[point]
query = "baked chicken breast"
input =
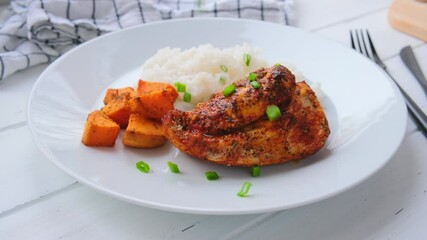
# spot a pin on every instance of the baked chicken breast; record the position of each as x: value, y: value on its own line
x: 236, y: 136
x: 223, y: 114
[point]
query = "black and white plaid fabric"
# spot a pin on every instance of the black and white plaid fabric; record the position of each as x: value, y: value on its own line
x: 38, y: 31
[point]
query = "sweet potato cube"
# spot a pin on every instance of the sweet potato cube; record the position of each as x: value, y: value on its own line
x: 143, y: 133
x: 145, y: 87
x: 152, y: 105
x: 115, y: 92
x: 100, y: 130
x: 118, y: 109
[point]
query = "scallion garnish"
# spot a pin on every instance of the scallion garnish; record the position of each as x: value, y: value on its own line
x: 255, y: 84
x: 256, y: 171
x: 222, y: 79
x: 273, y: 112
x: 252, y: 76
x: 211, y: 175
x: 277, y: 64
x: 173, y: 167
x: 223, y: 68
x: 180, y: 87
x: 229, y: 90
x: 187, y: 97
x: 247, y: 59
x: 143, y: 166
x: 245, y: 189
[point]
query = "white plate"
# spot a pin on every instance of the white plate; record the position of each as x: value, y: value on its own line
x: 366, y: 113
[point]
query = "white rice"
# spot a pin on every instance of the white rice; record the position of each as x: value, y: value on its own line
x: 199, y: 68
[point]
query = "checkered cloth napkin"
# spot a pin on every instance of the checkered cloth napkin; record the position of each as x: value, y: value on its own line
x: 39, y: 31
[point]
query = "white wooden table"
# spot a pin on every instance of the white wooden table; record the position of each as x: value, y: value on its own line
x: 38, y: 201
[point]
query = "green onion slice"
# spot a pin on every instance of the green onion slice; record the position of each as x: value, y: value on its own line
x: 173, y: 167
x: 211, y: 175
x: 273, y: 112
x: 256, y: 171
x: 255, y: 84
x: 252, y: 76
x: 229, y: 90
x: 245, y: 189
x: 277, y: 64
x: 180, y: 87
x: 187, y: 97
x: 223, y: 68
x: 143, y: 166
x: 247, y: 59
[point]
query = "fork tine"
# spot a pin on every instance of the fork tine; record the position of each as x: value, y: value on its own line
x: 364, y: 43
x: 374, y: 52
x: 371, y: 44
x: 352, y: 40
x: 358, y: 42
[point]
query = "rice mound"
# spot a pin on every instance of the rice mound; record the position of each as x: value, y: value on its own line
x: 200, y: 67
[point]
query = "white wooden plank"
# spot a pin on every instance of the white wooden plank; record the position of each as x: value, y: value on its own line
x: 387, y: 40
x: 313, y: 15
x: 14, y: 93
x: 371, y: 209
x: 81, y: 213
x: 25, y: 174
x: 389, y: 205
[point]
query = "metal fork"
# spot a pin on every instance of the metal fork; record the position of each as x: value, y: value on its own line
x: 361, y: 41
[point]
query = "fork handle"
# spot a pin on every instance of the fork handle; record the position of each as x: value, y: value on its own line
x: 418, y: 115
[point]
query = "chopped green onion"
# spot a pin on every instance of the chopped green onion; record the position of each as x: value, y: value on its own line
x: 173, y: 167
x: 255, y: 84
x: 256, y: 171
x: 229, y: 90
x: 223, y: 68
x: 252, y: 76
x: 245, y: 189
x: 210, y: 175
x: 222, y: 79
x: 277, y: 64
x: 180, y: 87
x: 273, y: 112
x: 187, y: 97
x: 143, y: 166
x: 247, y: 59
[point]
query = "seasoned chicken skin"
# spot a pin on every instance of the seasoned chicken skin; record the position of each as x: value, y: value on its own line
x: 301, y: 131
x: 223, y: 114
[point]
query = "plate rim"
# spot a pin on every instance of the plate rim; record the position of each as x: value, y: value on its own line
x: 189, y: 210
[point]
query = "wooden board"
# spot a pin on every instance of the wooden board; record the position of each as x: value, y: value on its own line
x: 409, y: 16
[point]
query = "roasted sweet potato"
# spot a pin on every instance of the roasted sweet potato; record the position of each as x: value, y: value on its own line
x: 115, y: 92
x: 100, y: 130
x: 138, y: 111
x: 118, y: 109
x: 143, y: 133
x: 152, y: 105
x: 145, y: 87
